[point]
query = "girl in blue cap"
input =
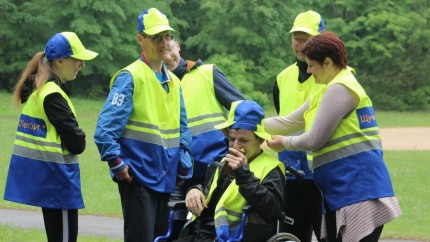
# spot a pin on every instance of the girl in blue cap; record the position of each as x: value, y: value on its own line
x: 44, y: 168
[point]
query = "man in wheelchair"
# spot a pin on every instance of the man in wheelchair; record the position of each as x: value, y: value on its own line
x: 246, y: 176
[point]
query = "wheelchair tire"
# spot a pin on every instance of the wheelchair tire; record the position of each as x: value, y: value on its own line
x: 283, y: 237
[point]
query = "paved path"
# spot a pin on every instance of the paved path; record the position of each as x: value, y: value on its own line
x: 88, y: 225
x: 408, y: 138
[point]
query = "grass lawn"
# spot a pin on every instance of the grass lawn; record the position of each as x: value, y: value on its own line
x: 408, y: 171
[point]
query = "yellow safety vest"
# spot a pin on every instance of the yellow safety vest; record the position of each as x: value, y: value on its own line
x: 150, y: 142
x: 228, y: 211
x: 42, y: 172
x: 350, y: 167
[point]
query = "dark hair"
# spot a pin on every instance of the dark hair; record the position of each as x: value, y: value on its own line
x: 326, y: 44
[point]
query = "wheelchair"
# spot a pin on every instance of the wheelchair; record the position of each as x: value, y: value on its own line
x: 179, y: 207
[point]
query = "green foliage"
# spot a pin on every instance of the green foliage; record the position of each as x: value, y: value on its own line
x: 385, y: 44
x: 408, y: 171
x: 249, y: 40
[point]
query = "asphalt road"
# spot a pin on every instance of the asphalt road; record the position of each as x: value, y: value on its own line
x: 88, y: 224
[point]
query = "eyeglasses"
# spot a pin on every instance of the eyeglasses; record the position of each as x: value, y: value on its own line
x: 158, y: 37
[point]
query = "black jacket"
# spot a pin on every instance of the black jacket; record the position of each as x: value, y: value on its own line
x: 60, y: 115
x: 265, y: 198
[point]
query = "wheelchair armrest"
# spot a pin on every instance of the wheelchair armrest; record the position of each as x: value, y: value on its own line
x: 247, y: 209
x: 177, y: 205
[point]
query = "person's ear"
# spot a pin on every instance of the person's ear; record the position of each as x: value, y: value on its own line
x: 59, y: 61
x: 327, y: 61
x: 260, y: 140
x: 178, y: 46
x: 139, y: 38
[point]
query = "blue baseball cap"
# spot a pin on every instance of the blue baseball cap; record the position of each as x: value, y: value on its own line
x: 67, y: 44
x: 248, y: 115
x: 152, y: 22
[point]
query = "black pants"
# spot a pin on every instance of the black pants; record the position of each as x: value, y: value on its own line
x: 303, y: 203
x: 145, y: 212
x: 331, y: 230
x: 61, y: 224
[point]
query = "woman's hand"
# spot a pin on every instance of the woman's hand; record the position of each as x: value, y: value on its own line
x: 276, y: 143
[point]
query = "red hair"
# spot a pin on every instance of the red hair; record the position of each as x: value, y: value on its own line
x: 326, y: 44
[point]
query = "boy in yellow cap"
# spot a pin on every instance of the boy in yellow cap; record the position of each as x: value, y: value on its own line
x: 291, y: 89
x: 257, y: 179
x: 44, y: 169
x: 142, y: 132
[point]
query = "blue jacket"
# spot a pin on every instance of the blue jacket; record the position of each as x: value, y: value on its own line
x: 106, y: 136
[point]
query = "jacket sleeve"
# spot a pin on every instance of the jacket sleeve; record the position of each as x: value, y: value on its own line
x: 114, y: 117
x: 225, y: 92
x: 62, y: 118
x: 266, y: 198
x: 185, y: 165
x: 275, y: 92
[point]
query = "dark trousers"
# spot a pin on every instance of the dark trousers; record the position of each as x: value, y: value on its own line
x: 145, y: 212
x: 303, y: 203
x: 61, y: 224
x: 331, y: 230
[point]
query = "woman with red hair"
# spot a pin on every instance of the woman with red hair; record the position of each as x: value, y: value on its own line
x: 343, y: 136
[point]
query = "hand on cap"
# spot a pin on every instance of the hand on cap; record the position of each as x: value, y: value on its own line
x: 276, y: 143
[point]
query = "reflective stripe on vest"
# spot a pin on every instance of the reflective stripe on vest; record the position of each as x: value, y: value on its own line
x: 42, y: 172
x: 203, y: 112
x: 203, y: 109
x: 350, y: 167
x: 36, y: 137
x: 150, y: 141
x: 228, y: 210
x: 292, y: 94
x: 352, y: 135
x: 153, y: 122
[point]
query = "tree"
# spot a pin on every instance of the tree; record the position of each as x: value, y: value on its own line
x: 246, y: 39
x: 387, y: 50
x: 387, y: 41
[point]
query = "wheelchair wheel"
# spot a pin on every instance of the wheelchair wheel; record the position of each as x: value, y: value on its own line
x: 283, y: 237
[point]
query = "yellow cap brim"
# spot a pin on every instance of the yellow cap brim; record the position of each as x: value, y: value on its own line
x: 158, y: 29
x: 263, y: 135
x: 224, y: 125
x: 305, y: 30
x: 85, y: 55
x: 259, y: 132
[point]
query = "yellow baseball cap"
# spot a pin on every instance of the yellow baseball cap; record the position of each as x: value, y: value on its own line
x: 248, y: 115
x: 309, y: 22
x: 152, y: 22
x: 67, y: 44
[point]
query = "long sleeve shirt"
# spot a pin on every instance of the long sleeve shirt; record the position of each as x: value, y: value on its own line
x: 113, y: 119
x: 60, y: 115
x: 337, y: 103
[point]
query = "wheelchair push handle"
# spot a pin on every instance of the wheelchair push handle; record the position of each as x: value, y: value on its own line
x: 298, y: 173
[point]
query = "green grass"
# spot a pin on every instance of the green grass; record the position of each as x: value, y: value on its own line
x: 408, y: 171
x: 11, y: 234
